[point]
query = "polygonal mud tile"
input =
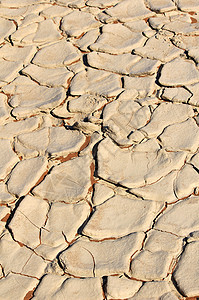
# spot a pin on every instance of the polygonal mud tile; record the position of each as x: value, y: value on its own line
x: 121, y: 64
x: 29, y: 217
x: 9, y: 71
x: 117, y: 39
x: 50, y: 77
x: 134, y: 169
x: 7, y: 27
x: 55, y: 11
x: 101, y: 193
x: 17, y: 285
x: 63, y: 142
x: 68, y: 182
x: 56, y: 225
x: 121, y: 287
x: 120, y: 216
x: 186, y: 181
x: 171, y: 70
x: 87, y: 39
x: 149, y: 266
x: 25, y: 175
x: 5, y: 197
x: 56, y: 141
x: 181, y: 136
x: 128, y: 10
x: 87, y: 103
x: 194, y: 88
x: 46, y: 32
x: 167, y: 114
x: 187, y: 5
x: 158, y: 290
x: 78, y: 22
x: 17, y: 258
x: 87, y: 258
x: 145, y: 86
x: 53, y: 287
x: 8, y: 158
x: 96, y: 82
x: 182, y: 27
x: 161, y: 5
x: 181, y: 218
x: 23, y: 54
x: 158, y: 48
x: 186, y: 271
x: 122, y: 118
x: 162, y: 190
x: 176, y: 94
x: 193, y: 52
x: 155, y: 260
x: 163, y: 241
x: 12, y: 129
x: 24, y: 35
x: 66, y: 53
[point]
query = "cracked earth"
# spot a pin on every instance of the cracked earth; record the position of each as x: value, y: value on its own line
x: 99, y: 143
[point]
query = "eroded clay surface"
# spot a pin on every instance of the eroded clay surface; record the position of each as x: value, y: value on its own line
x: 99, y: 144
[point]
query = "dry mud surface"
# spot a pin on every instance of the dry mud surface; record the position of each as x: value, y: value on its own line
x: 99, y: 143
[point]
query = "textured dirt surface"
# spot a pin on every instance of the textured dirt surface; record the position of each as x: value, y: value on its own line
x: 99, y: 144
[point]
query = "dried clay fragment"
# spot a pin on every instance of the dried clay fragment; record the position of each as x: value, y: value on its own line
x: 132, y: 215
x: 54, y: 286
x: 29, y: 217
x: 26, y: 174
x: 129, y: 10
x: 117, y: 39
x: 87, y: 258
x: 170, y: 73
x: 68, y: 182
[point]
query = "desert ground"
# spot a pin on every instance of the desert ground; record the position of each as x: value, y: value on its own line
x: 99, y: 144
